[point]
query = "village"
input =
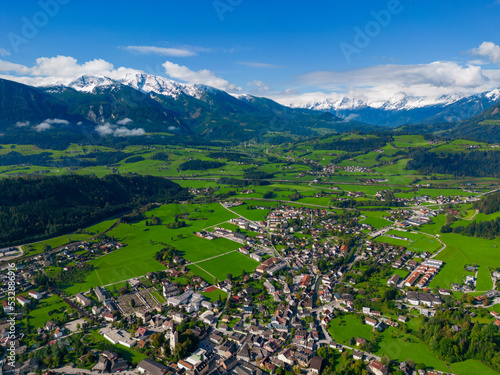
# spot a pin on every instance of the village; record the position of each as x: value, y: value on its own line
x: 277, y: 317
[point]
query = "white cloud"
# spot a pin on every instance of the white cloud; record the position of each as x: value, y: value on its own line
x: 204, y: 76
x: 437, y: 74
x: 148, y: 50
x: 22, y: 124
x: 260, y: 86
x: 124, y: 132
x: 57, y: 121
x: 382, y: 82
x: 125, y: 121
x: 42, y: 127
x: 4, y: 52
x: 488, y: 50
x: 109, y: 129
x: 47, y: 124
x: 65, y: 69
x: 60, y: 70
x: 259, y: 65
x: 105, y: 129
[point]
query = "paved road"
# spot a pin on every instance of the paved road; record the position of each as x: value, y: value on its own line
x: 10, y: 257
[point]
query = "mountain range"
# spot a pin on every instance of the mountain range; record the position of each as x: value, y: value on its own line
x: 403, y: 109
x: 141, y: 104
x: 148, y: 105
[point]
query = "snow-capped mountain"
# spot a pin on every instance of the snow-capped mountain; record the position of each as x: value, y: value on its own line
x: 397, y: 110
x: 399, y: 101
x: 88, y: 83
x: 145, y: 83
x: 402, y: 108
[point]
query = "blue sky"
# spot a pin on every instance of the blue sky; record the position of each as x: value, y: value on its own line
x: 280, y: 49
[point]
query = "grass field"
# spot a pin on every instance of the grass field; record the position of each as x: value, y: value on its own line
x: 375, y: 219
x: 472, y: 367
x: 416, y: 242
x: 214, y: 295
x: 462, y: 250
x: 254, y: 215
x: 396, y: 345
x: 101, y: 227
x: 137, y: 258
x: 40, y: 315
x: 233, y: 263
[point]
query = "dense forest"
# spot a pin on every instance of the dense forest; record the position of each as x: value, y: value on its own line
x: 230, y: 156
x: 36, y: 207
x: 251, y: 174
x: 483, y: 229
x: 355, y: 145
x: 474, y: 341
x: 489, y: 204
x: 14, y: 158
x: 200, y: 165
x: 163, y: 156
x: 462, y: 164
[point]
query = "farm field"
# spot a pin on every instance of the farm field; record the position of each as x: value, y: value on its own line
x: 233, y: 263
x: 463, y: 250
x: 137, y: 258
x: 255, y: 214
x: 416, y: 242
x: 394, y: 344
x: 472, y: 367
x: 375, y: 222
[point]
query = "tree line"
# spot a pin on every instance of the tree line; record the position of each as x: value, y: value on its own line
x: 200, y: 165
x: 355, y: 145
x: 460, y: 164
x: 484, y: 229
x: 489, y: 204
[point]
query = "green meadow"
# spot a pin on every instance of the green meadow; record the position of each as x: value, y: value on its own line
x: 392, y: 343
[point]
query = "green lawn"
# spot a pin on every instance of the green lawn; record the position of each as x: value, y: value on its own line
x: 462, y: 250
x: 40, y: 315
x: 101, y: 227
x: 472, y: 367
x: 137, y: 258
x: 401, y: 273
x: 233, y: 263
x: 254, y: 215
x: 214, y: 295
x: 416, y: 242
x: 396, y: 345
x: 374, y: 218
x: 129, y: 354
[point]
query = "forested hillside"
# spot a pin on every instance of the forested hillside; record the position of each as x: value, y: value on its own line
x: 458, y: 164
x: 35, y: 207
